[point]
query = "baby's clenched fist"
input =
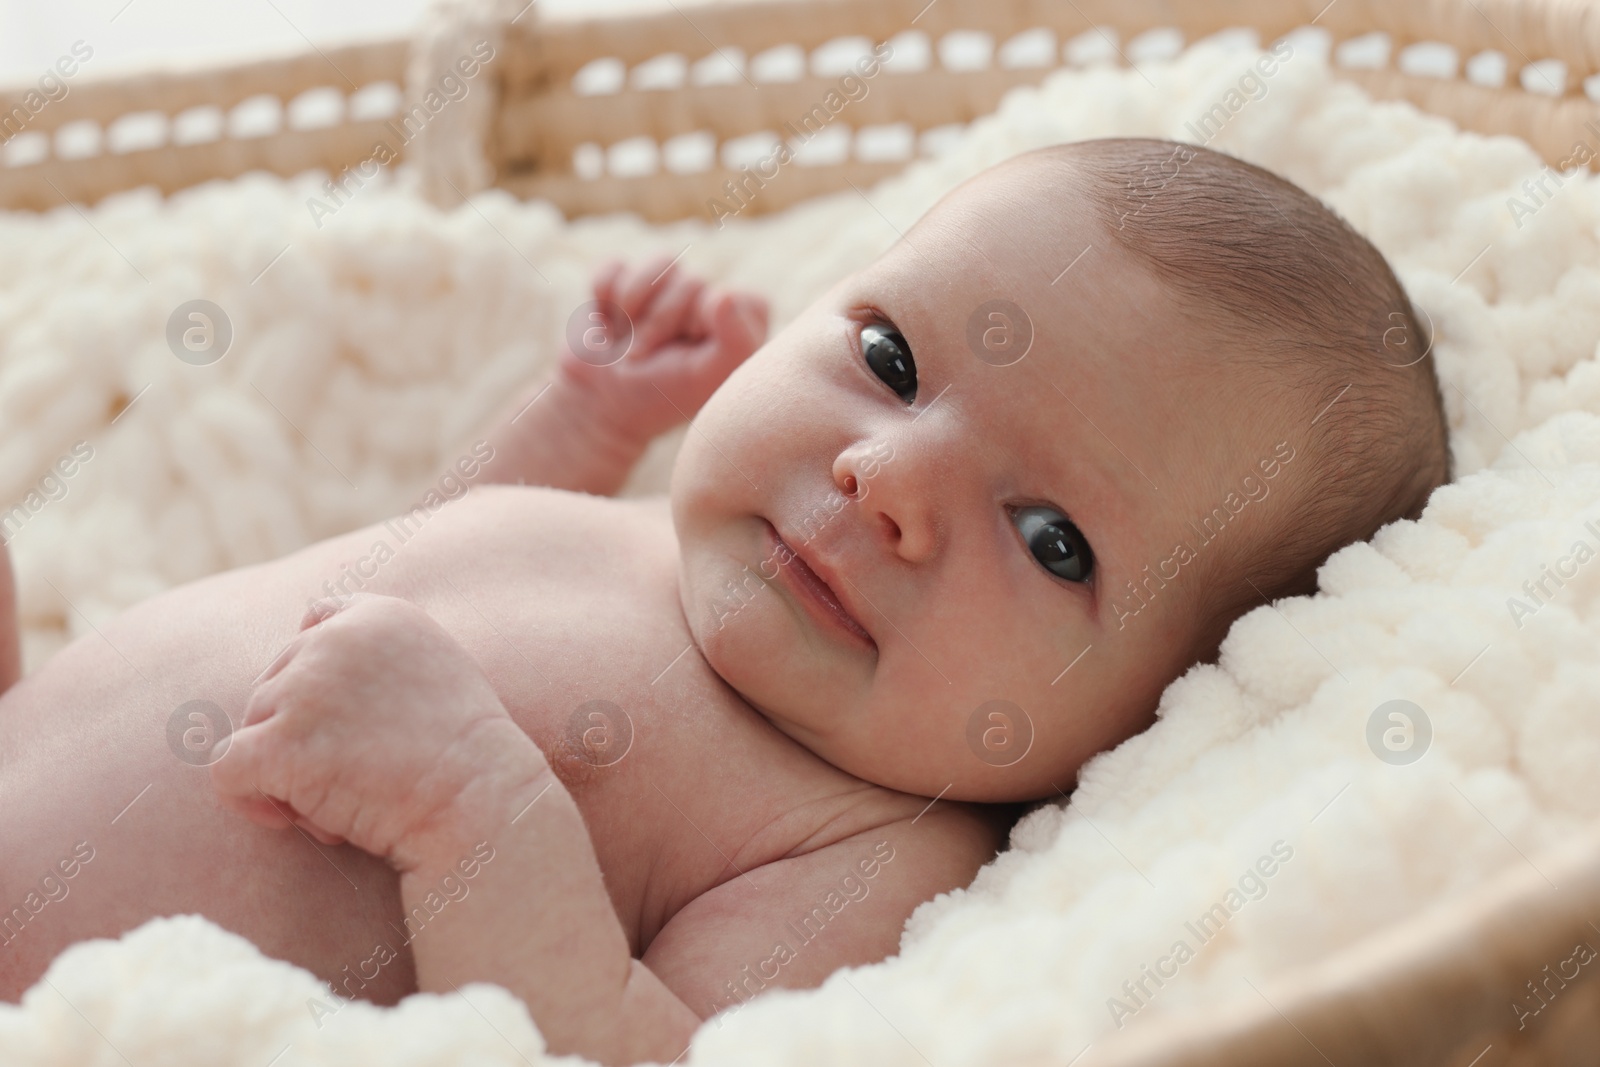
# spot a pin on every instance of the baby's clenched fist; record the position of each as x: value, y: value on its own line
x: 371, y: 727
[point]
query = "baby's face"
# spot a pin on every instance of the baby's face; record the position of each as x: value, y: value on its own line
x: 981, y: 537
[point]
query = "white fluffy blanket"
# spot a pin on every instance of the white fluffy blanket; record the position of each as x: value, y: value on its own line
x: 378, y: 338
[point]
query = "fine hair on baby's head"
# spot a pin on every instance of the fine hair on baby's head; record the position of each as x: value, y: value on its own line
x: 962, y: 570
x: 1316, y: 309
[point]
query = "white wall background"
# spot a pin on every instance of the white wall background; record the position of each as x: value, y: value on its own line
x: 143, y: 34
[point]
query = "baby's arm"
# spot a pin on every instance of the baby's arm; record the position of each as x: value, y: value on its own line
x: 539, y: 922
x: 375, y: 727
x: 657, y: 348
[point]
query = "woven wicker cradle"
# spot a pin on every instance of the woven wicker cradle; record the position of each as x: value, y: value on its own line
x: 1439, y: 991
x: 543, y: 136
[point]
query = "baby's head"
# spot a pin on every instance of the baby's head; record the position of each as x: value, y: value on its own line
x: 1100, y: 401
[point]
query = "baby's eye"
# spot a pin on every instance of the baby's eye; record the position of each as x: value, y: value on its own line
x: 889, y: 357
x: 1055, y: 543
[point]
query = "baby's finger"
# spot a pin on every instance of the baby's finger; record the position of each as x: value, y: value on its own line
x: 243, y: 798
x: 277, y: 814
x: 667, y: 313
x: 637, y: 286
x: 316, y: 612
x: 737, y: 329
x: 242, y: 789
x: 241, y: 777
x: 261, y: 705
x: 317, y: 832
x: 259, y: 810
x: 279, y: 662
x: 320, y: 611
x: 736, y: 322
x: 605, y: 280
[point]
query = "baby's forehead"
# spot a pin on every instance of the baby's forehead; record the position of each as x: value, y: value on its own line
x: 1010, y: 268
x: 1014, y: 224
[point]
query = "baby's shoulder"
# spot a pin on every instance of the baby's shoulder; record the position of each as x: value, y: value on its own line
x: 944, y: 845
x: 793, y: 921
x: 892, y: 868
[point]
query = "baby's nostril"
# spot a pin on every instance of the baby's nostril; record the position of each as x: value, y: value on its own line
x: 850, y: 485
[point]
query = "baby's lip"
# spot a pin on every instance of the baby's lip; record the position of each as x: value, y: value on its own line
x: 821, y: 580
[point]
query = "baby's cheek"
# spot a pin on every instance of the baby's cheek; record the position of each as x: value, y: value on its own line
x: 738, y: 405
x: 1011, y: 709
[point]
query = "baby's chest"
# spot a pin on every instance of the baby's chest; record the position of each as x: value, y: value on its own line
x: 668, y: 765
x: 673, y: 772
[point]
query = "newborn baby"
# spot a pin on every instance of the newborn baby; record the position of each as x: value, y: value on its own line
x: 942, y: 539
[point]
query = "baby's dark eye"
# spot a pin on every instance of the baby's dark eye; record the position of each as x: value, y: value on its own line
x: 889, y: 357
x: 1055, y: 543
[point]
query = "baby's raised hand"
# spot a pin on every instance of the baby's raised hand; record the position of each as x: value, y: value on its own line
x: 655, y: 344
x: 369, y: 727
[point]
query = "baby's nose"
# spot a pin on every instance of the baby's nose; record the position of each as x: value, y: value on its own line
x: 854, y: 469
x: 896, y: 506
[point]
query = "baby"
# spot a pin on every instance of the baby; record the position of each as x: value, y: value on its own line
x: 942, y: 539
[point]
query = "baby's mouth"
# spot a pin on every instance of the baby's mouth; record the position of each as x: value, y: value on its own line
x: 814, y: 593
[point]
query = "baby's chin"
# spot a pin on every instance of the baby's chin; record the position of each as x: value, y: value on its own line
x: 939, y: 765
x: 735, y: 647
x: 749, y: 637
x: 714, y: 614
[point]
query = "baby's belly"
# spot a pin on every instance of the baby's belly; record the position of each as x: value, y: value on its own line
x: 94, y: 781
